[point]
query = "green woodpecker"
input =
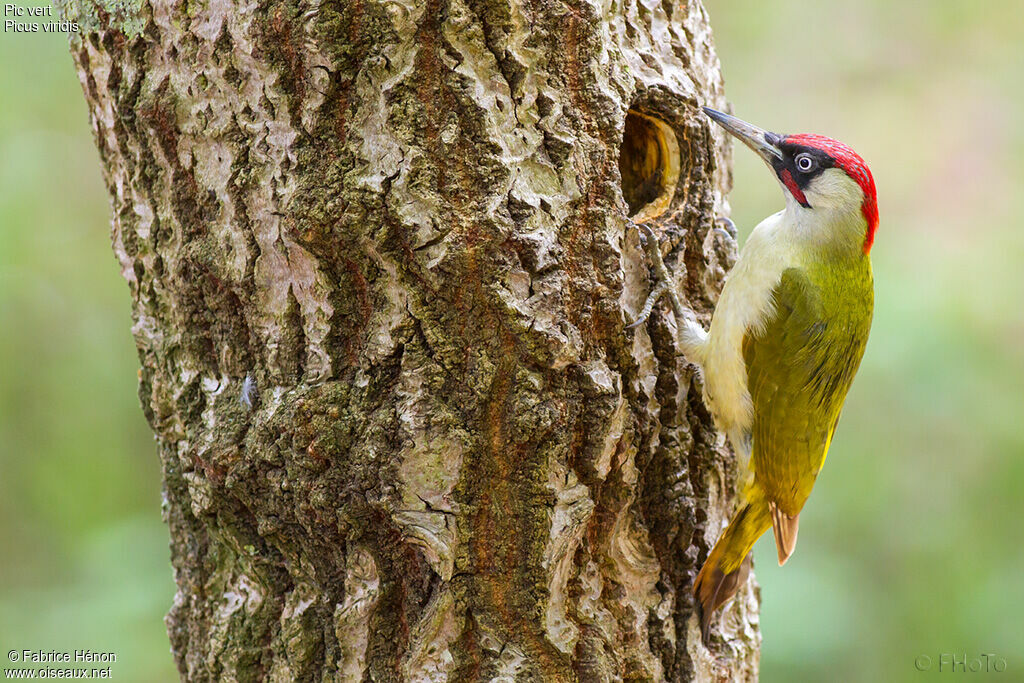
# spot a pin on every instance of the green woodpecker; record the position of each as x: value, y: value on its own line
x: 785, y: 341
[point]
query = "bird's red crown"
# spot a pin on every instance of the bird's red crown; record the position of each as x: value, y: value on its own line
x: 851, y: 162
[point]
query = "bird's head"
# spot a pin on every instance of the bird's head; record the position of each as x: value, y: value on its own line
x: 817, y: 173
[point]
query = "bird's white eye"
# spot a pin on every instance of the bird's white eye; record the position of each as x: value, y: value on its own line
x: 804, y: 162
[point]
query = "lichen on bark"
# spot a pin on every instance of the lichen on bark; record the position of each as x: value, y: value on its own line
x: 403, y: 222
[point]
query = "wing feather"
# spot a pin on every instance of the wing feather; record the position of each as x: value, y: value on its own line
x: 799, y: 367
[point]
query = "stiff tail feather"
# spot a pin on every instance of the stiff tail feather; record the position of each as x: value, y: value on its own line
x: 785, y: 528
x: 728, y: 563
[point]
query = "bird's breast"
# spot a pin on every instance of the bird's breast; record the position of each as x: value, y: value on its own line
x: 745, y: 303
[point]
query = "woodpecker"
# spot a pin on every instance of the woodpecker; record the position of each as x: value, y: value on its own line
x: 785, y: 341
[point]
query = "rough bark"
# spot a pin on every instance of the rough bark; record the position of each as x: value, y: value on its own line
x: 381, y: 278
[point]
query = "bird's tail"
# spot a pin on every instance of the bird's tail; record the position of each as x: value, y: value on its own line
x: 728, y: 563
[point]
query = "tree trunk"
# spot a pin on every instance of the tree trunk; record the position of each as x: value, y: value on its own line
x: 381, y: 277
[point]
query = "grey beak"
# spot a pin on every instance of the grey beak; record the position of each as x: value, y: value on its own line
x: 764, y: 143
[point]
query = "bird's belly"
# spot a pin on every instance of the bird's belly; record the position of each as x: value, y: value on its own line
x: 725, y: 383
x: 745, y: 303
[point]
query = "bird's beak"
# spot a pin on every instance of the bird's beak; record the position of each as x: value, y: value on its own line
x: 764, y: 143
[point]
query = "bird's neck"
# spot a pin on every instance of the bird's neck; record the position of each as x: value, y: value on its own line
x: 827, y: 233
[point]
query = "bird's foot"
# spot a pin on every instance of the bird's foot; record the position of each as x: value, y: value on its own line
x: 652, y: 299
x: 630, y: 225
x: 725, y: 227
x: 663, y: 280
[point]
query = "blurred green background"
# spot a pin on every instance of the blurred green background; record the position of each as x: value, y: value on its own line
x: 84, y: 562
x: 910, y: 545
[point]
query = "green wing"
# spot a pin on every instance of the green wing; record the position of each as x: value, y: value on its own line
x: 799, y: 368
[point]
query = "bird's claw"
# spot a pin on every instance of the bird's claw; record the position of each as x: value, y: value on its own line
x: 647, y: 236
x: 645, y: 312
x: 663, y: 280
x: 725, y: 227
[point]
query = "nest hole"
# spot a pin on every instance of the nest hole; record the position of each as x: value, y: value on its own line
x: 648, y: 165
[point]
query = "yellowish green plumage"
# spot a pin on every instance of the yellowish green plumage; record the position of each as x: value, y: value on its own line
x: 785, y: 342
x: 799, y: 370
x: 800, y: 365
